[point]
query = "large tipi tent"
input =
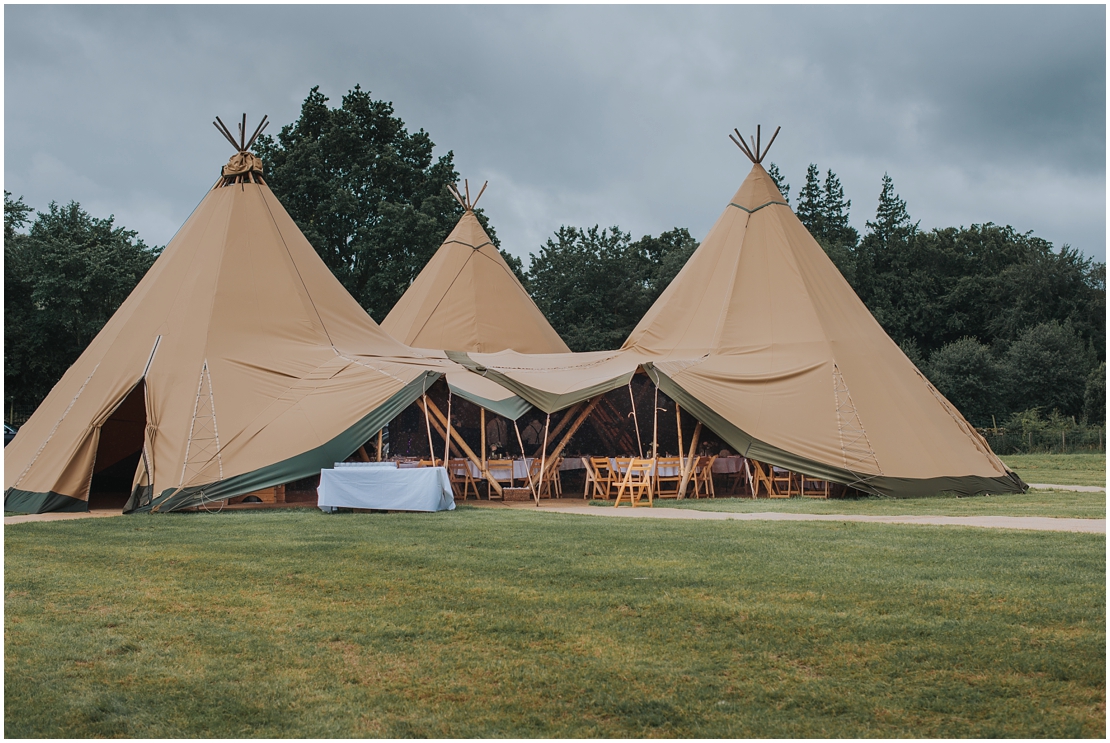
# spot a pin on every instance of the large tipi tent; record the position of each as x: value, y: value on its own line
x: 762, y: 339
x: 468, y: 299
x: 237, y: 363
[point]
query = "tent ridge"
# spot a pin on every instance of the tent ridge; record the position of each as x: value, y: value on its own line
x: 753, y: 211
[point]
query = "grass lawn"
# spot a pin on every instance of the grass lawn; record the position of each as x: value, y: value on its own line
x: 491, y: 622
x: 1058, y: 503
x: 1059, y: 469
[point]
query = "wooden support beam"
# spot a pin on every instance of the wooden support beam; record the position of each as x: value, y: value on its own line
x: 466, y: 449
x: 561, y: 424
x: 602, y: 423
x: 380, y: 445
x: 688, y: 466
x: 570, y: 432
x: 440, y: 432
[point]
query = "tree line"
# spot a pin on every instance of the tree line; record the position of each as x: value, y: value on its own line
x: 999, y: 320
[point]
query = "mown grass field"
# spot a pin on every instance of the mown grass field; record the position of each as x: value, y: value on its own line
x: 499, y: 622
x: 1059, y: 469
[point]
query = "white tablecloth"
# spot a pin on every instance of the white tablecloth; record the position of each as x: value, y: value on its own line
x: 386, y: 488
x: 500, y: 470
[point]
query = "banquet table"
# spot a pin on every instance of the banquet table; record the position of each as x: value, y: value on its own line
x: 385, y: 486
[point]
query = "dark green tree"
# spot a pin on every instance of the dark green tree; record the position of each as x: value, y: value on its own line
x: 63, y: 279
x: 834, y: 213
x: 1047, y: 368
x: 779, y: 181
x: 811, y: 206
x: 1094, y: 396
x: 367, y: 193
x: 594, y: 285
x: 967, y: 374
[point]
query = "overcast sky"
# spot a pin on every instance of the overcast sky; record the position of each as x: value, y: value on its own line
x: 581, y: 115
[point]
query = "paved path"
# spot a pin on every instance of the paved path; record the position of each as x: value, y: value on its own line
x: 1079, y: 488
x: 95, y: 514
x: 1035, y: 523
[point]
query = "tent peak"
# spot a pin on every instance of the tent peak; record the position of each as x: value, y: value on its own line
x: 753, y: 152
x: 244, y: 166
x: 464, y: 201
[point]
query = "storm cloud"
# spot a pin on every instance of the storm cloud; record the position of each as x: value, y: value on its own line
x: 583, y: 114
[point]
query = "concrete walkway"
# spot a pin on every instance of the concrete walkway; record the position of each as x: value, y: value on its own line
x: 1034, y: 523
x: 95, y: 514
x: 1077, y: 488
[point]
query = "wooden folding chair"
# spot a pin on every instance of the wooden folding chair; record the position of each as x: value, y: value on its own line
x: 782, y: 482
x: 703, y: 477
x: 553, y: 481
x: 668, y: 472
x: 500, y: 470
x: 637, y: 482
x: 599, y: 474
x: 817, y: 488
x: 458, y: 471
x: 430, y: 463
x: 544, y: 488
x: 760, y: 477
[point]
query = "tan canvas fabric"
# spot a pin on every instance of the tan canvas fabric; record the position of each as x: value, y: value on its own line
x: 467, y: 299
x: 762, y: 332
x: 259, y: 355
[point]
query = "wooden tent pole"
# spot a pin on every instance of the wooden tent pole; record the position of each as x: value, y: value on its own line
x: 447, y: 438
x: 688, y: 466
x: 527, y: 469
x: 483, y: 424
x: 428, y: 423
x: 635, y: 419
x: 655, y: 427
x: 380, y: 445
x: 565, y: 420
x: 573, y: 429
x: 543, y: 459
x: 466, y: 449
x: 443, y: 435
x: 678, y: 426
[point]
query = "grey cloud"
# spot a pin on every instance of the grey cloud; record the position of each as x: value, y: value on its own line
x: 583, y: 114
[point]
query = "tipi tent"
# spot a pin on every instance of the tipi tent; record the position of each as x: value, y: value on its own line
x: 237, y: 363
x: 762, y: 339
x: 467, y: 299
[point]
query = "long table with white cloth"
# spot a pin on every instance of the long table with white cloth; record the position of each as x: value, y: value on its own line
x: 383, y: 486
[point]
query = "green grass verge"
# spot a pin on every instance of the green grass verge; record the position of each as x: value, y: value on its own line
x: 1057, y: 503
x: 1059, y: 469
x: 498, y: 622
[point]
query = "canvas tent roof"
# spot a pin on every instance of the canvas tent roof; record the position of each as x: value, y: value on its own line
x: 253, y: 365
x: 762, y: 339
x: 468, y: 299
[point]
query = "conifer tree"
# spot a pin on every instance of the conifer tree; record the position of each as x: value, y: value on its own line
x: 780, y: 182
x: 810, y: 208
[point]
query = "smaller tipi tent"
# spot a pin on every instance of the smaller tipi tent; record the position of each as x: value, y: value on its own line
x: 468, y: 299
